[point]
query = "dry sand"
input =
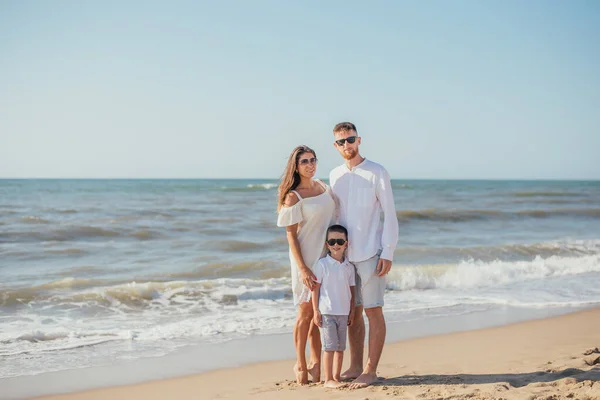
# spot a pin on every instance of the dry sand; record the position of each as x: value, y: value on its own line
x: 543, y: 359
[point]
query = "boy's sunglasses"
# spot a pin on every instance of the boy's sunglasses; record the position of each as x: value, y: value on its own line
x: 306, y: 161
x: 332, y: 242
x: 350, y: 139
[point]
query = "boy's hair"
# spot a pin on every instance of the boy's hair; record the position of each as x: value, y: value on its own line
x: 338, y: 229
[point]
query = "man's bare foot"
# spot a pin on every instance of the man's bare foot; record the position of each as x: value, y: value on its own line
x: 301, y: 376
x: 363, y: 381
x: 315, y: 373
x: 334, y: 384
x: 351, y: 373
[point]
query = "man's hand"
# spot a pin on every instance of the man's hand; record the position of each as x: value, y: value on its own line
x: 318, y: 319
x: 308, y: 278
x: 383, y: 267
x: 351, y: 316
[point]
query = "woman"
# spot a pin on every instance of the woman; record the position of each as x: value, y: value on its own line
x: 306, y: 208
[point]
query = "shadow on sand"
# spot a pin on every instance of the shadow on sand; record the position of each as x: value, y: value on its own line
x: 514, y: 380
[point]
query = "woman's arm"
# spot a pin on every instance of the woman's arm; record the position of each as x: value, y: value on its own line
x: 308, y: 277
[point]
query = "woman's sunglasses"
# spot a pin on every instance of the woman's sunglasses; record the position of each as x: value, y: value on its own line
x: 332, y: 242
x: 306, y: 161
x: 350, y: 139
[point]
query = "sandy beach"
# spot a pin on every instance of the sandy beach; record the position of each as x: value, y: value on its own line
x: 553, y: 358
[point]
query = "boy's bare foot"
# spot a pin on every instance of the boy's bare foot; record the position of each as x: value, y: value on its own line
x: 334, y: 385
x: 363, y: 381
x: 301, y: 376
x: 351, y: 373
x: 315, y: 373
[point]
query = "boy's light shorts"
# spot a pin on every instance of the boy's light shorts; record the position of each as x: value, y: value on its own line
x: 333, y: 332
x: 370, y: 288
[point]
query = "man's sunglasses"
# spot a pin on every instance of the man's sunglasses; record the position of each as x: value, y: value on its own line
x: 332, y: 242
x: 350, y: 139
x: 306, y: 161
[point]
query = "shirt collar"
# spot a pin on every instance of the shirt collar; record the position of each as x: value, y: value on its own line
x: 333, y: 260
x: 356, y: 166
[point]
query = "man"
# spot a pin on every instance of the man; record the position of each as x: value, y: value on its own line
x: 364, y: 191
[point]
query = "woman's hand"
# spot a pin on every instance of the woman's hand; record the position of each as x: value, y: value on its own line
x: 308, y: 278
x: 318, y: 319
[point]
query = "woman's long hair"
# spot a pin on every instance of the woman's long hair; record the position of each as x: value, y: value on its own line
x: 290, y: 179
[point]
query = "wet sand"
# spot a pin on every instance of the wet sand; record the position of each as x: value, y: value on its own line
x: 553, y: 358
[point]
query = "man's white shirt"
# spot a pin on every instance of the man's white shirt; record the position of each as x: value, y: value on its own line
x: 364, y: 192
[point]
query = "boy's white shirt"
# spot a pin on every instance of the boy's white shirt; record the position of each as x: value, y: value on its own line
x: 335, y: 278
x: 364, y: 192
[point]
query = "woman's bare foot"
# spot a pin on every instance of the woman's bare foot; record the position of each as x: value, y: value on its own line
x: 351, y: 373
x: 301, y: 376
x: 363, y: 381
x: 315, y: 373
x: 334, y: 384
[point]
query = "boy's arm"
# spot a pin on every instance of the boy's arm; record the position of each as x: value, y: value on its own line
x: 317, y: 318
x: 352, y: 284
x: 352, y: 307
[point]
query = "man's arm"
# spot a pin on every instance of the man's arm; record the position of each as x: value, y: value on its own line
x: 389, y: 237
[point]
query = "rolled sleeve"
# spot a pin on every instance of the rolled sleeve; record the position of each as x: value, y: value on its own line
x: 318, y: 271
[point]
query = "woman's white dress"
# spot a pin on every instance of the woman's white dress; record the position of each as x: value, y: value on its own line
x: 313, y: 216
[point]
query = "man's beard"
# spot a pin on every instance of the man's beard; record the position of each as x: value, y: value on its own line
x: 349, y: 155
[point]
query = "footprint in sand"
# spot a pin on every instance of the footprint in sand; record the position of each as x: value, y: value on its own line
x: 502, y: 388
x: 591, y: 351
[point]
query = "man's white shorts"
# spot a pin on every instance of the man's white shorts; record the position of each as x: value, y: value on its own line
x: 369, y: 287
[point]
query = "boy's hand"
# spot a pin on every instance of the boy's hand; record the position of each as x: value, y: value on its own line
x: 351, y: 316
x: 318, y: 319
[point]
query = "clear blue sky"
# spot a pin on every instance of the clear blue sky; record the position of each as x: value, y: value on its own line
x: 438, y: 89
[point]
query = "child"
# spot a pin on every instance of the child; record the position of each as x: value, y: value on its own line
x: 333, y: 302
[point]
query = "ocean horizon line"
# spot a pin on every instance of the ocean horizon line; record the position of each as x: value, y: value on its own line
x: 275, y: 179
